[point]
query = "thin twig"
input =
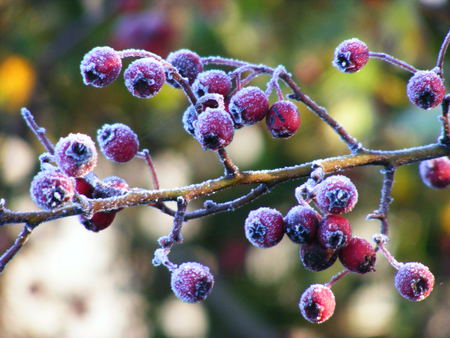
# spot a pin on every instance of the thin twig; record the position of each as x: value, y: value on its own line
x: 337, y: 277
x: 445, y: 136
x: 145, y: 154
x: 441, y: 55
x: 15, y: 248
x: 38, y: 131
x: 381, y: 240
x: 230, y: 168
x: 393, y: 61
x: 273, y: 83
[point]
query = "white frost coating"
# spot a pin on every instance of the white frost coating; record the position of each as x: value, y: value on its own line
x: 249, y: 105
x: 104, y: 62
x: 150, y: 70
x: 185, y: 282
x: 118, y: 142
x: 322, y: 297
x: 212, y: 81
x: 214, y: 122
x: 409, y: 274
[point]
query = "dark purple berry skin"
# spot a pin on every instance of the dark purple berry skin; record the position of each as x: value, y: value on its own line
x: 435, y: 173
x: 414, y: 281
x: 264, y: 227
x: 76, y: 155
x: 83, y: 187
x: 351, y: 55
x: 144, y: 77
x: 212, y: 81
x: 334, y: 232
x: 100, y: 66
x: 336, y: 195
x: 317, y: 258
x: 188, y: 64
x: 192, y: 282
x: 189, y: 118
x: 301, y: 224
x: 283, y: 119
x: 50, y: 189
x: 118, y: 142
x: 248, y: 106
x: 358, y: 256
x: 317, y: 303
x: 425, y: 89
x: 214, y: 129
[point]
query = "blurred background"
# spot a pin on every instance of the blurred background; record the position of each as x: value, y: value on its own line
x: 69, y: 282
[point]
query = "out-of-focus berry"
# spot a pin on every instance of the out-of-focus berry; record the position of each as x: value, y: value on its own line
x: 435, y: 173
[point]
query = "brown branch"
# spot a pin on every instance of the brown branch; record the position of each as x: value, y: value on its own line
x: 15, y: 248
x: 38, y: 131
x: 230, y: 168
x: 445, y: 137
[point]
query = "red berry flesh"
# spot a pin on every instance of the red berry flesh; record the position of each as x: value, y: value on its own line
x: 188, y: 64
x: 336, y: 195
x: 50, y: 189
x: 264, y: 227
x: 425, y: 89
x: 99, y: 221
x: 414, y: 281
x: 118, y: 142
x: 317, y: 303
x: 351, y: 55
x: 435, y: 173
x: 83, y: 187
x: 192, y: 282
x: 100, y: 66
x: 283, y: 119
x: 301, y: 224
x: 317, y: 258
x: 248, y: 106
x: 334, y: 232
x: 214, y: 129
x: 76, y: 155
x: 212, y: 81
x: 358, y: 256
x: 144, y: 77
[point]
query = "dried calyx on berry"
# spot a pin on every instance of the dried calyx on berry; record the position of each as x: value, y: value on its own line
x: 435, y: 173
x: 301, y: 224
x: 144, y: 77
x: 264, y: 227
x: 248, y: 106
x: 425, y: 89
x: 414, y: 281
x: 283, y: 119
x: 192, y: 282
x: 187, y: 63
x: 351, y: 55
x: 100, y: 66
x: 336, y: 195
x: 358, y: 255
x: 118, y: 142
x: 214, y: 129
x: 212, y: 81
x: 317, y: 303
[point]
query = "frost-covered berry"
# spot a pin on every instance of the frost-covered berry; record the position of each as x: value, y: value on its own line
x: 144, y: 77
x: 100, y: 66
x: 351, y: 55
x: 425, y: 89
x: 334, y: 232
x: 317, y: 258
x: 212, y: 81
x: 414, y: 281
x: 118, y: 142
x: 264, y: 227
x: 188, y: 64
x: 283, y: 119
x: 214, y: 129
x: 358, y: 255
x: 83, y: 187
x: 435, y: 173
x: 336, y: 195
x: 192, y: 282
x: 189, y: 117
x: 317, y: 303
x: 248, y: 106
x: 99, y: 221
x: 76, y: 154
x: 301, y: 224
x: 50, y: 189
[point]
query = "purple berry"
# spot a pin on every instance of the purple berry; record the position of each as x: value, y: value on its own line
x: 414, y: 281
x: 188, y: 64
x: 118, y: 142
x: 435, y: 173
x: 144, y: 77
x: 100, y: 66
x: 317, y: 303
x: 425, y: 89
x: 214, y: 129
x: 301, y: 224
x: 264, y: 227
x: 317, y: 258
x: 351, y: 55
x: 334, y: 232
x: 248, y: 106
x: 336, y: 195
x: 192, y: 282
x: 358, y: 256
x: 212, y: 81
x: 283, y: 119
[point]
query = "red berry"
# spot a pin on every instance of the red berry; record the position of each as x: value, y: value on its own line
x: 351, y: 55
x: 283, y: 119
x: 192, y: 282
x: 214, y: 129
x: 248, y: 106
x: 83, y: 187
x: 334, y: 232
x: 336, y: 195
x: 358, y: 256
x: 188, y: 64
x: 144, y: 77
x: 425, y: 89
x: 76, y: 154
x: 301, y: 224
x: 264, y: 227
x: 317, y: 258
x: 118, y: 142
x: 100, y: 66
x: 435, y: 173
x: 212, y: 81
x: 317, y: 303
x: 99, y: 221
x: 414, y: 281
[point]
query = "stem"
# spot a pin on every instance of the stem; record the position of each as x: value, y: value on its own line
x: 273, y: 83
x: 337, y: 277
x: 15, y: 248
x: 230, y: 168
x: 381, y: 240
x: 393, y: 61
x: 442, y: 51
x: 145, y: 154
x: 445, y: 137
x: 38, y: 131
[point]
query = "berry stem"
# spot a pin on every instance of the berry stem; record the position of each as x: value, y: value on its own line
x: 273, y: 83
x: 445, y: 137
x: 15, y: 248
x: 380, y: 240
x: 145, y: 154
x: 337, y: 277
x: 38, y: 131
x: 441, y: 55
x: 230, y: 168
x: 393, y: 61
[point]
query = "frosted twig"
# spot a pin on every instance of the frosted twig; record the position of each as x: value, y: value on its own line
x: 393, y: 61
x: 38, y: 131
x: 441, y: 55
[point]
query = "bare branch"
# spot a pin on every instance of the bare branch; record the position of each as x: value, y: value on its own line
x: 393, y: 61
x: 441, y: 55
x: 15, y: 248
x: 38, y: 131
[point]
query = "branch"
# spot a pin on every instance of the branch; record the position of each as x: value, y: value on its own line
x: 393, y: 61
x: 38, y: 131
x: 15, y: 248
x: 445, y: 137
x: 442, y: 51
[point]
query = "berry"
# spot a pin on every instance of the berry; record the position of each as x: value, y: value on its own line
x: 317, y: 303
x: 435, y: 173
x: 189, y: 118
x: 192, y: 282
x: 425, y: 89
x: 83, y: 187
x: 50, y: 189
x: 99, y: 221
x: 414, y: 281
x: 118, y: 142
x: 334, y: 232
x: 76, y: 154
x: 317, y: 258
x: 212, y: 81
x: 188, y: 64
x: 336, y: 195
x: 248, y: 106
x: 351, y: 55
x: 144, y: 77
x: 358, y: 255
x: 301, y: 224
x: 283, y: 119
x: 214, y: 129
x: 100, y: 66
x: 264, y: 227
